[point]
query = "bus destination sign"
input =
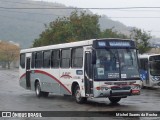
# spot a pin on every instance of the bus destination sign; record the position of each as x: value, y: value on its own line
x: 114, y: 44
x: 119, y: 44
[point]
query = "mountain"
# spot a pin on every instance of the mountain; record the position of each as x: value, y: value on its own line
x: 24, y: 25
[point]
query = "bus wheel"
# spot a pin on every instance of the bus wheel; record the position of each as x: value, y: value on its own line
x: 79, y: 99
x: 114, y: 99
x: 38, y: 90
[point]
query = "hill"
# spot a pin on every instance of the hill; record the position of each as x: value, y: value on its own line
x: 24, y: 25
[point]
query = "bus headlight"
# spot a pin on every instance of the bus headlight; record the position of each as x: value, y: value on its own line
x: 102, y: 88
x: 155, y: 78
x: 136, y: 86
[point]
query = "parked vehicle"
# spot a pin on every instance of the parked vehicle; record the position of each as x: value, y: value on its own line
x: 150, y: 70
x: 91, y: 68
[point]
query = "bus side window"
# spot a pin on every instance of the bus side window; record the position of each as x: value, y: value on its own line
x: 65, y: 58
x: 55, y: 58
x: 22, y: 60
x: 38, y: 59
x: 46, y: 59
x: 144, y: 64
x: 77, y: 57
x: 33, y: 60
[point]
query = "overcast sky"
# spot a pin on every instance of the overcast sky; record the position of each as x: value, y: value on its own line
x: 146, y: 19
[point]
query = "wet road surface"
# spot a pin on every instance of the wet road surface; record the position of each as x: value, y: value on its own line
x: 15, y: 98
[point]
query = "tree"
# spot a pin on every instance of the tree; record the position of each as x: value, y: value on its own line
x: 109, y: 33
x: 67, y: 29
x: 8, y: 53
x: 142, y: 40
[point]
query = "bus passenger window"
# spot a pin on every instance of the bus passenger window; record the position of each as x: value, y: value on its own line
x: 143, y: 64
x: 77, y: 57
x: 55, y: 58
x: 22, y: 60
x: 38, y: 60
x: 65, y: 58
x: 46, y: 59
x: 33, y: 60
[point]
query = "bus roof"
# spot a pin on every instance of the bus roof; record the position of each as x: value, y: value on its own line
x: 147, y: 55
x: 66, y: 45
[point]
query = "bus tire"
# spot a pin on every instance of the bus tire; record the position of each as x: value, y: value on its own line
x: 77, y: 95
x: 38, y: 89
x: 114, y: 99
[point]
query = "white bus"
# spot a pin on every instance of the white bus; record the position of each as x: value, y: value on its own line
x: 85, y: 69
x: 150, y: 70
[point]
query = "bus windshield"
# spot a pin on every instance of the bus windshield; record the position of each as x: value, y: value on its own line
x: 154, y: 65
x: 155, y: 68
x: 116, y: 64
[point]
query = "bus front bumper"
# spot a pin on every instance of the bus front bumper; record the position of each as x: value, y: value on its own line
x: 116, y: 92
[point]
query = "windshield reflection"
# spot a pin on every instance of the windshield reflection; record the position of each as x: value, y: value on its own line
x: 155, y: 68
x: 116, y: 64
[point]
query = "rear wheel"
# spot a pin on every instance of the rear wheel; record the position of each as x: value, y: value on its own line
x: 38, y: 91
x: 114, y: 99
x: 79, y: 99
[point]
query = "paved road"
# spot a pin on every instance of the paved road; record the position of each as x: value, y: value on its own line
x: 15, y: 98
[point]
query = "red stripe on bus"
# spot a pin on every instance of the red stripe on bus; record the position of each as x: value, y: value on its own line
x: 43, y: 72
x: 22, y: 76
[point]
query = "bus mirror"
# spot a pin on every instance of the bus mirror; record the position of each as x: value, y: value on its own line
x: 93, y: 57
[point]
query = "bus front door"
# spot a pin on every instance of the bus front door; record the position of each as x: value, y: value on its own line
x: 88, y: 74
x: 28, y: 82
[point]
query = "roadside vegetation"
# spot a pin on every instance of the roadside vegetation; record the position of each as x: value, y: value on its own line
x: 83, y: 26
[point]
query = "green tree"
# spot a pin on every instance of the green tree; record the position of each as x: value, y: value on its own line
x: 142, y: 40
x: 109, y: 33
x: 67, y: 29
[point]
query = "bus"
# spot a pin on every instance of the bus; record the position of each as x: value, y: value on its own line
x: 95, y: 68
x: 150, y: 70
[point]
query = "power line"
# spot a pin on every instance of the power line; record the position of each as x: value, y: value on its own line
x: 134, y: 17
x: 139, y: 10
x: 68, y: 16
x: 71, y: 7
x: 78, y: 8
x: 31, y: 12
x: 116, y: 8
x: 40, y: 22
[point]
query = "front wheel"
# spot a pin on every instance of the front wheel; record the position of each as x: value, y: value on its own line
x: 38, y: 91
x: 77, y: 94
x: 114, y: 99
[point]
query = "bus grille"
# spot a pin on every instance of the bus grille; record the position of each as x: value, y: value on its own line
x: 121, y: 88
